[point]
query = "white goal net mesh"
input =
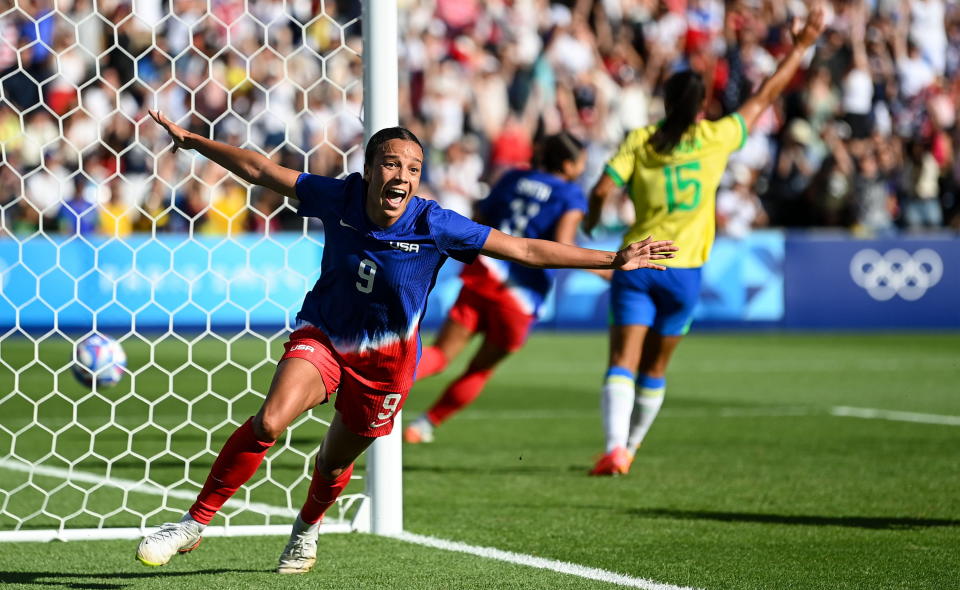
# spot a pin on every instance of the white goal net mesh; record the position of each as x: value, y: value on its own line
x: 104, y: 230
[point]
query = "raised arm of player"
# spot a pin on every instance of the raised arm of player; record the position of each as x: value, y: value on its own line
x: 549, y: 254
x: 804, y: 36
x: 252, y: 167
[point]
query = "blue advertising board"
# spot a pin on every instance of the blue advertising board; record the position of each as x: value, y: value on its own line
x: 168, y: 282
x: 175, y: 282
x: 837, y: 282
x: 181, y: 283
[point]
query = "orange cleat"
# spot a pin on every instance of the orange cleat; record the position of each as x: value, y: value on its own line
x: 418, y: 432
x: 616, y: 462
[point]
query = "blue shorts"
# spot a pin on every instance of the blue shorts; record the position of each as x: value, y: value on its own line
x: 664, y: 300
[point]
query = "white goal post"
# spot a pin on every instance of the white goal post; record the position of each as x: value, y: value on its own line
x: 202, y: 292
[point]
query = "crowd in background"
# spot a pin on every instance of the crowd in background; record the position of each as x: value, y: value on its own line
x: 864, y: 138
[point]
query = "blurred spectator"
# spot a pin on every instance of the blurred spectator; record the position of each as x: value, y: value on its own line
x: 457, y: 179
x: 928, y: 32
x: 49, y: 186
x: 501, y: 74
x: 738, y: 208
x: 116, y: 217
x: 919, y: 188
x: 791, y: 175
x: 78, y: 214
x: 227, y: 215
x: 874, y: 203
x: 263, y: 219
x: 858, y: 83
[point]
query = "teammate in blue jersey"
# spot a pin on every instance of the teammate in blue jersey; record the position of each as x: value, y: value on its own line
x: 357, y: 332
x: 502, y: 299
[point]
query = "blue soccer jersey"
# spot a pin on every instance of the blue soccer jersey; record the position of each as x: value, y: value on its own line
x: 528, y: 204
x: 374, y: 281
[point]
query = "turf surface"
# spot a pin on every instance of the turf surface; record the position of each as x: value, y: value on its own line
x: 746, y: 481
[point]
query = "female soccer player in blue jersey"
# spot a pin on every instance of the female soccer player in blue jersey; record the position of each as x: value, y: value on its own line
x: 502, y: 299
x: 357, y: 332
x: 671, y: 170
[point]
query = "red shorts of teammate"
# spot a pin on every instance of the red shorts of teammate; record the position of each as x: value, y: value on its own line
x: 504, y: 325
x: 365, y: 411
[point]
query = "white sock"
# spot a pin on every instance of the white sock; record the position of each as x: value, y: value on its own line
x: 186, y: 517
x: 648, y: 402
x: 616, y: 404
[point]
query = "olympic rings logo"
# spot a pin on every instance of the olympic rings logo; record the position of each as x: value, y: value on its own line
x: 896, y: 273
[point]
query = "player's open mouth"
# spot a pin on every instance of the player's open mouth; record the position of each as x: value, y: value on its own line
x: 395, y: 196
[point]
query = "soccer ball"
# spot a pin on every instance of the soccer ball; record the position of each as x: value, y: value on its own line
x: 100, y: 359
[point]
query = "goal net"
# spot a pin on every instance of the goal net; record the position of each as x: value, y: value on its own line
x: 103, y: 229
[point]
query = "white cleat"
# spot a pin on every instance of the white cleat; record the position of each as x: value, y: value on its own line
x: 172, y: 538
x: 300, y: 553
x: 419, y: 431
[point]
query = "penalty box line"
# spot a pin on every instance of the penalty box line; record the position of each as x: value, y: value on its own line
x: 131, y: 486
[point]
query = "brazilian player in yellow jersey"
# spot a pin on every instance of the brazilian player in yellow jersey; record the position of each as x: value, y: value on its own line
x: 671, y: 171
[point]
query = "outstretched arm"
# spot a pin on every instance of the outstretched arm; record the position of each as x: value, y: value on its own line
x: 547, y: 254
x: 252, y: 167
x: 773, y: 86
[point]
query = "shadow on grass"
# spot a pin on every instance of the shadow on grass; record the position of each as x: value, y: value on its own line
x: 118, y: 579
x: 863, y: 522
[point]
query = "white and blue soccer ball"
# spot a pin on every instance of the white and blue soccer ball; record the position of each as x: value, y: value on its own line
x: 100, y: 359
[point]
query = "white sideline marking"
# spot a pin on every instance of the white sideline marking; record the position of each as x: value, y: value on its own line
x: 732, y: 412
x: 134, y: 533
x: 129, y: 485
x: 562, y: 567
x: 877, y: 365
x: 877, y: 414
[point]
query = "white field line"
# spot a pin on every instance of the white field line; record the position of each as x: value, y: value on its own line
x: 562, y: 567
x: 877, y: 414
x: 876, y: 365
x: 732, y: 412
x: 133, y: 533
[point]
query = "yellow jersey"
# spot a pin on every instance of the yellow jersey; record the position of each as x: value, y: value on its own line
x: 675, y: 194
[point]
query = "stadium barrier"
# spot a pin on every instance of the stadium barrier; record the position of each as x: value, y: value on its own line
x: 835, y: 282
x: 769, y: 279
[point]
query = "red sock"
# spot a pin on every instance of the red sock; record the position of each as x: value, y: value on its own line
x: 460, y: 393
x: 237, y: 462
x: 432, y: 361
x: 323, y: 493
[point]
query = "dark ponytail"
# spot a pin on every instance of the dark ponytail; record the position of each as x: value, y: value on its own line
x: 554, y: 150
x: 682, y: 96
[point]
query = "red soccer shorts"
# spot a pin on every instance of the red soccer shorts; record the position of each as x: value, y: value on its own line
x: 365, y: 411
x: 504, y: 325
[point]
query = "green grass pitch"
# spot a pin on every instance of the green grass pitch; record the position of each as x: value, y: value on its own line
x: 747, y: 480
